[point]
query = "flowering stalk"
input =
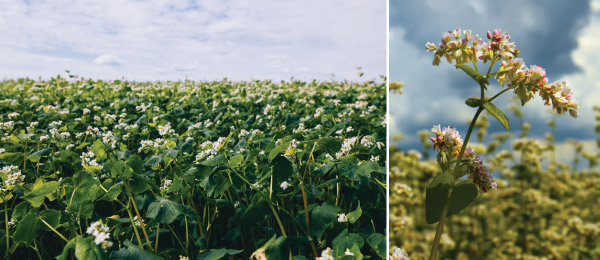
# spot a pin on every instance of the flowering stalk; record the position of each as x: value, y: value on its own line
x: 525, y: 82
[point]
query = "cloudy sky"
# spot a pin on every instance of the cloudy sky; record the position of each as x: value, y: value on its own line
x: 561, y: 36
x: 201, y: 40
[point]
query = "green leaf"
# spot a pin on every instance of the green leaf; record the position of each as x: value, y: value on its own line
x: 35, y: 157
x: 474, y: 102
x: 354, y: 215
x: 112, y: 193
x: 218, y: 160
x: 99, y: 150
x: 347, y: 242
x: 133, y: 252
x: 474, y: 74
x: 39, y: 192
x: 257, y: 209
x: 217, y: 254
x: 282, y: 169
x: 462, y: 195
x: 154, y: 161
x: 236, y: 160
x: 497, y: 113
x: 377, y: 242
x: 436, y: 197
x: 329, y: 144
x: 84, y: 248
x: 321, y: 217
x: 27, y: 228
x: 366, y: 168
x: 273, y: 249
x: 166, y: 211
x: 136, y: 163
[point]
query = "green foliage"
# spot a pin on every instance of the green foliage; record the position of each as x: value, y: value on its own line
x: 210, y: 167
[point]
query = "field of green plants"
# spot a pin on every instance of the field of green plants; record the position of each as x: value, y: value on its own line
x: 192, y: 170
x: 544, y: 207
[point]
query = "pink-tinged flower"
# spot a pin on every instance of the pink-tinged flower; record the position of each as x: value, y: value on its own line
x: 448, y: 140
x: 480, y: 175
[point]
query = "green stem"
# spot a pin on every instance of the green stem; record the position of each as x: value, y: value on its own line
x: 499, y: 93
x: 6, y: 221
x: 55, y: 231
x: 443, y: 217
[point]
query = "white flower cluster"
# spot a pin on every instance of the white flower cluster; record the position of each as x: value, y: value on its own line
x: 13, y: 115
x: 342, y: 218
x: 210, y: 149
x: 285, y: 185
x: 326, y: 255
x: 7, y: 125
x: 93, y: 131
x: 290, y: 150
x: 165, y: 129
x: 267, y: 109
x: 346, y: 147
x: 109, y: 139
x: 319, y: 111
x: 367, y: 141
x: 158, y: 142
x: 143, y: 107
x: 87, y: 160
x: 166, y: 184
x: 243, y: 133
x: 55, y: 123
x: 100, y: 233
x: 14, y: 176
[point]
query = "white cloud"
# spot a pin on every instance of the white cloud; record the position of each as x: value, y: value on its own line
x: 109, y: 60
x: 216, y: 38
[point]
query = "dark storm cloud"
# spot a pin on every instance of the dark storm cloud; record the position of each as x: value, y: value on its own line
x: 545, y: 30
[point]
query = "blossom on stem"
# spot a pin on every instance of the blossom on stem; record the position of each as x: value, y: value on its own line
x: 448, y: 140
x: 100, y: 232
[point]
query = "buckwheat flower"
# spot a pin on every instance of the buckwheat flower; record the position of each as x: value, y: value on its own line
x: 44, y: 137
x: 346, y: 147
x: 374, y: 158
x: 256, y: 186
x: 70, y: 146
x: 100, y: 233
x: 366, y: 141
x: 14, y: 178
x: 348, y: 252
x: 97, y: 118
x: 318, y: 112
x: 480, y: 175
x: 12, y: 222
x: 325, y: 255
x: 87, y: 159
x: 13, y: 115
x: 243, y: 133
x: 165, y: 129
x: 398, y: 254
x: 86, y: 111
x: 342, y: 218
x: 284, y: 185
x: 55, y: 123
x: 2, y: 150
x: 7, y: 125
x: 267, y: 109
x: 166, y: 184
x: 64, y: 135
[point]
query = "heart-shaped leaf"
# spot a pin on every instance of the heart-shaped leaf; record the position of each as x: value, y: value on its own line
x: 463, y: 193
x: 436, y: 197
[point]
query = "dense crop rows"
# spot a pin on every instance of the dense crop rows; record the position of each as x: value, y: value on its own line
x: 544, y: 207
x: 200, y: 169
